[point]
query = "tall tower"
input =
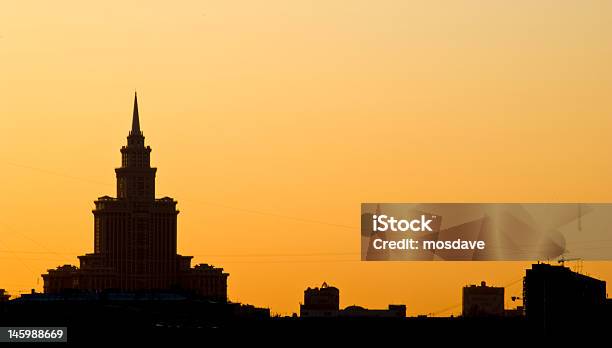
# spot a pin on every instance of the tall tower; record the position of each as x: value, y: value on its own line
x: 135, y: 238
x: 135, y: 234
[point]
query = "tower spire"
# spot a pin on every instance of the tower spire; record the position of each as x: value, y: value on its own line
x: 135, y: 119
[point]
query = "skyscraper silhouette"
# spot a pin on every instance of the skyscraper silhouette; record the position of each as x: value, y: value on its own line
x: 135, y: 238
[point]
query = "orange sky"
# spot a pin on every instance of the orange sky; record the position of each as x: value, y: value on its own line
x: 260, y: 112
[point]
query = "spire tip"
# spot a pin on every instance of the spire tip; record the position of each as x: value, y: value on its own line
x: 135, y: 118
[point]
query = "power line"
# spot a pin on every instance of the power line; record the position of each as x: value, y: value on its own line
x: 58, y: 174
x: 246, y: 210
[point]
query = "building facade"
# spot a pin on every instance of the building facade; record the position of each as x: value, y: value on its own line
x: 135, y: 238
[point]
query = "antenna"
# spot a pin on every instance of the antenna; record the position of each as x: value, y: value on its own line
x: 579, y: 262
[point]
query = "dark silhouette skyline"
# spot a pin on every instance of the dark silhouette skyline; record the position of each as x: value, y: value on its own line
x: 136, y: 280
x: 573, y: 305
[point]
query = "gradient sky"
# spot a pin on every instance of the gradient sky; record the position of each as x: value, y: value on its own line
x: 271, y: 122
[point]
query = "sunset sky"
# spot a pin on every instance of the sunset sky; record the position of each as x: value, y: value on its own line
x: 270, y: 122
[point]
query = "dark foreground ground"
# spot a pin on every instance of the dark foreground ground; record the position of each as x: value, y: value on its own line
x: 201, y: 324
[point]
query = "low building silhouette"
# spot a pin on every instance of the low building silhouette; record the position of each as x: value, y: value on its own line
x: 135, y: 238
x: 324, y: 302
x: 483, y: 301
x: 393, y: 311
x: 96, y: 314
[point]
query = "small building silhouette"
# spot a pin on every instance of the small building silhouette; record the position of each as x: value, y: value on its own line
x: 321, y: 302
x: 483, y: 301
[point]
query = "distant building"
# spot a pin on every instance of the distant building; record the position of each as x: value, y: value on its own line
x: 135, y: 238
x: 483, y: 301
x: 554, y: 294
x: 321, y: 302
x: 325, y: 302
x: 4, y: 296
x: 394, y: 311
